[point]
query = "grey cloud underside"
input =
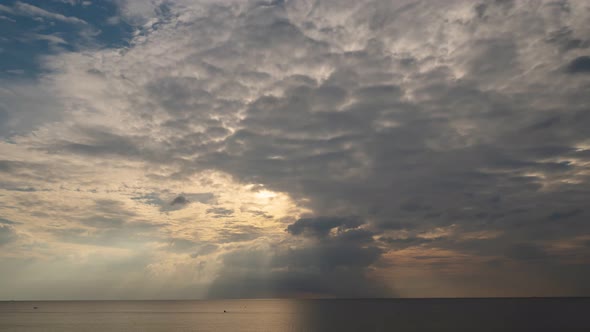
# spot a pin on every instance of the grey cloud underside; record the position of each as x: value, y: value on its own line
x: 109, y: 224
x: 322, y: 226
x: 7, y: 221
x: 476, y: 122
x: 7, y: 234
x: 363, y: 142
x: 177, y: 202
x: 220, y: 212
x: 21, y: 110
x: 579, y: 65
x: 336, y: 265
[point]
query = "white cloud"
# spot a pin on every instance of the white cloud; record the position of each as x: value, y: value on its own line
x: 50, y: 38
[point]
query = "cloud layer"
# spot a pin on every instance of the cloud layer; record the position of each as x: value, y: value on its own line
x: 328, y: 148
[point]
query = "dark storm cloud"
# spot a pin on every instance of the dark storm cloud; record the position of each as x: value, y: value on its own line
x: 483, y: 139
x: 458, y: 152
x: 579, y: 65
x: 179, y: 200
x: 406, y: 242
x: 333, y: 264
x: 329, y: 257
x: 322, y: 226
x: 324, y: 269
x: 288, y: 284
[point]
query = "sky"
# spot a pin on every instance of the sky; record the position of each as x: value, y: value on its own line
x: 195, y: 149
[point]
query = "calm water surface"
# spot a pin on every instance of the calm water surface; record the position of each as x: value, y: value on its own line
x: 300, y: 315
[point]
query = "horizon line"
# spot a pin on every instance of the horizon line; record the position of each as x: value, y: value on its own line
x: 312, y: 298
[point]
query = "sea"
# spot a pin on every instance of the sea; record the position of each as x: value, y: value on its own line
x: 341, y: 315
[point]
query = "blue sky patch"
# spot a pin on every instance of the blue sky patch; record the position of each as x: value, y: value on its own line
x: 35, y: 28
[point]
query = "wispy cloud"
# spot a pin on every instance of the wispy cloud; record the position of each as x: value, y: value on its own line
x: 53, y: 39
x: 6, y: 9
x: 25, y: 9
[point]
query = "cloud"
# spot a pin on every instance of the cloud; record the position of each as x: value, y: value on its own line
x: 179, y: 200
x: 75, y: 2
x: 526, y: 252
x: 204, y: 250
x: 7, y: 234
x: 565, y: 214
x: 8, y: 222
x: 25, y: 107
x: 220, y: 212
x: 579, y: 65
x: 53, y: 39
x: 22, y: 8
x: 6, y: 9
x: 2, y: 17
x: 323, y: 270
x: 321, y: 226
x: 109, y: 233
x: 239, y: 233
x: 334, y: 265
x: 182, y: 245
x: 183, y: 200
x: 451, y: 138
